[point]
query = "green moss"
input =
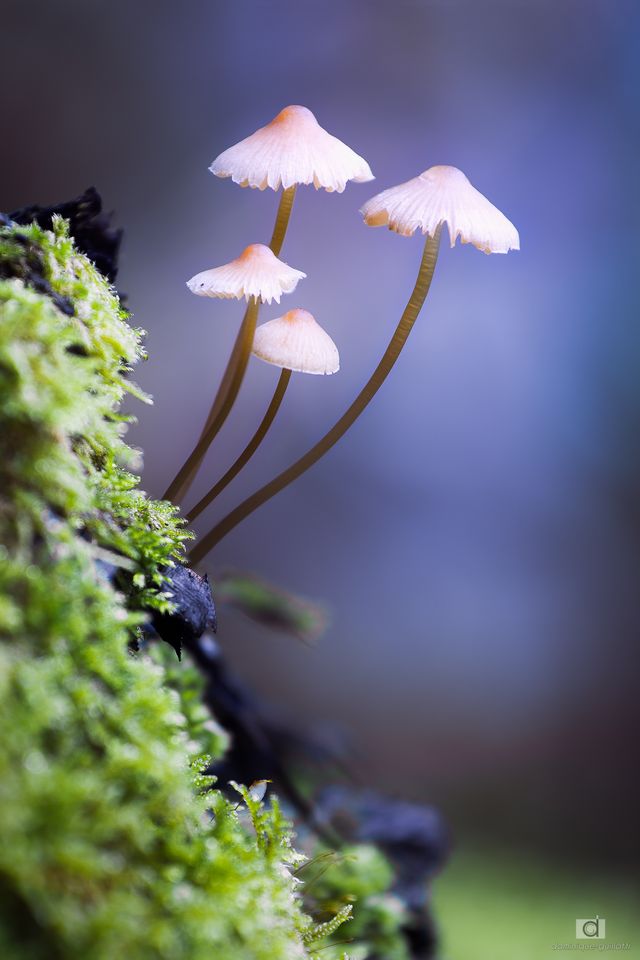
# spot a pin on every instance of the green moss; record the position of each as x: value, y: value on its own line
x: 360, y: 875
x: 114, y: 842
x: 62, y: 380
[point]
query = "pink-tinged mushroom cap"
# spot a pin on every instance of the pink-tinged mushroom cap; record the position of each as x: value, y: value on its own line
x: 257, y: 272
x: 443, y: 195
x: 292, y: 149
x: 296, y: 341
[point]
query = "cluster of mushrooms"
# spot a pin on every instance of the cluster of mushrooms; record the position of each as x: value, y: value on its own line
x: 292, y: 150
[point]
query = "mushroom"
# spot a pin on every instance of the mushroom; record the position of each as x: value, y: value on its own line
x: 257, y: 272
x: 297, y: 342
x: 443, y: 195
x: 293, y: 342
x: 292, y: 149
x: 439, y: 195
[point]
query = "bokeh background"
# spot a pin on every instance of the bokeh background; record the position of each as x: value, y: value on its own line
x: 476, y: 537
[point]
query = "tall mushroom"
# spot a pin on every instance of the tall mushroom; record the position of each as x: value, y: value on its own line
x: 294, y: 342
x: 292, y: 149
x: 443, y: 195
x: 439, y: 195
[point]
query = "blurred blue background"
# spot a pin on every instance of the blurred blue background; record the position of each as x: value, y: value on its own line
x: 476, y: 537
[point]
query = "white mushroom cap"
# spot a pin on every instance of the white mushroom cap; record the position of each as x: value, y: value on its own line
x: 292, y: 149
x: 257, y: 272
x: 443, y: 195
x: 296, y: 341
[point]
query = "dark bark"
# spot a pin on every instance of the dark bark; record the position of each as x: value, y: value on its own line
x: 90, y: 228
x: 194, y: 611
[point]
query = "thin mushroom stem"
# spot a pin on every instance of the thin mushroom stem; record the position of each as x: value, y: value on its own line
x: 227, y: 377
x: 232, y: 381
x: 277, y: 239
x: 249, y: 450
x: 235, y: 370
x: 380, y: 374
x: 282, y: 220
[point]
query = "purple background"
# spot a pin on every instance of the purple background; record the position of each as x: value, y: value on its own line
x: 476, y: 537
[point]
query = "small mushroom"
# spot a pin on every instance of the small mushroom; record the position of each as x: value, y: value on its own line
x: 296, y: 341
x: 257, y: 272
x: 292, y: 149
x: 443, y: 195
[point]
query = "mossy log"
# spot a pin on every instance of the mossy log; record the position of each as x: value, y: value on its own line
x: 116, y: 842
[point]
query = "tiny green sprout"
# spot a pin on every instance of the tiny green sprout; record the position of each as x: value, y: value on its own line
x: 320, y: 931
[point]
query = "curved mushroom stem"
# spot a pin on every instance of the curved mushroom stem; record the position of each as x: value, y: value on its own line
x: 235, y: 370
x: 380, y: 374
x: 223, y: 403
x: 249, y: 450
